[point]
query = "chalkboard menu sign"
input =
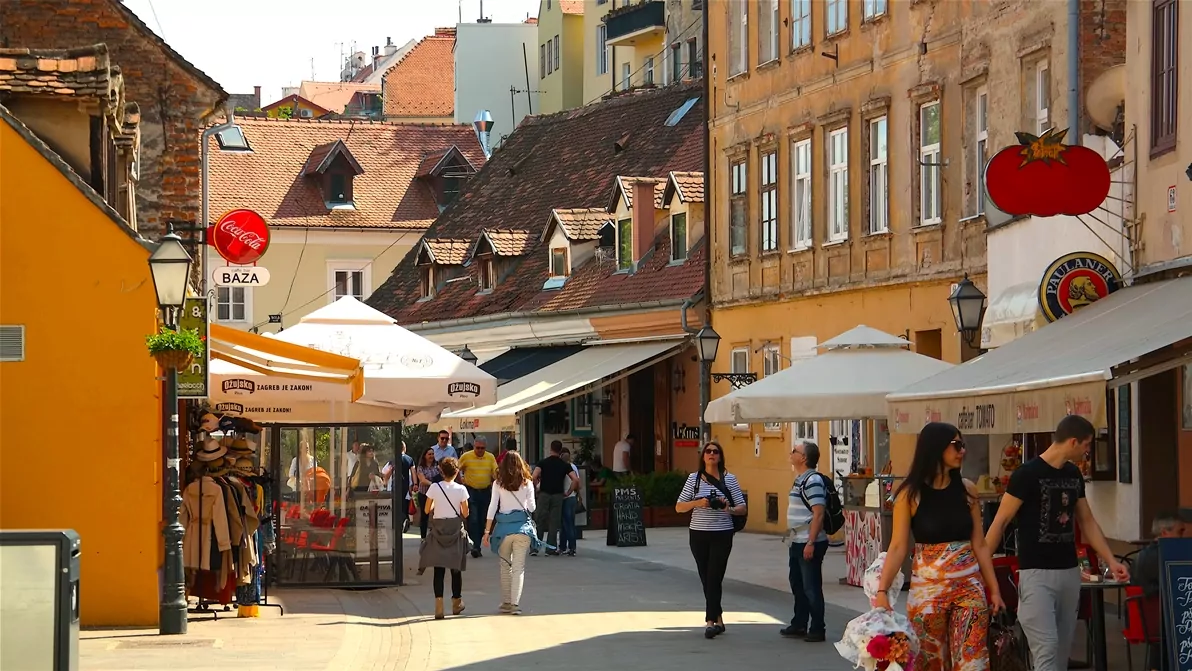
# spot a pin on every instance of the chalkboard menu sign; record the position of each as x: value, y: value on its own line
x: 1175, y: 588
x: 626, y: 523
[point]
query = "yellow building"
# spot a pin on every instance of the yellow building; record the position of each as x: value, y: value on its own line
x: 294, y: 107
x: 813, y: 233
x: 640, y: 43
x: 560, y: 55
x: 80, y: 421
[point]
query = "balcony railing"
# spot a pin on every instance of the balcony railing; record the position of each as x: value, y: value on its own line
x: 627, y: 24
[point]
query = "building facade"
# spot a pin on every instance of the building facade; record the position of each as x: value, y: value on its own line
x: 640, y: 43
x: 494, y: 71
x: 560, y: 54
x: 420, y: 88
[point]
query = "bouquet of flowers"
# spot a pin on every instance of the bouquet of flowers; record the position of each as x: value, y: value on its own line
x: 880, y: 640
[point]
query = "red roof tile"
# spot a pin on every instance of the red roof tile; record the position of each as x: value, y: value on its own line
x: 510, y: 243
x: 268, y: 179
x: 582, y: 223
x: 688, y: 185
x: 568, y: 158
x: 334, y: 96
x: 436, y: 158
x: 422, y: 83
x: 572, y: 6
x: 446, y: 251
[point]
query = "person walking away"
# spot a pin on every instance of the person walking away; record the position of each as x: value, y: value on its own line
x: 952, y: 566
x: 809, y: 543
x: 509, y: 527
x: 427, y: 472
x: 1046, y: 495
x: 399, y: 474
x: 567, y: 545
x: 509, y: 446
x: 479, y: 468
x: 443, y: 448
x: 556, y: 480
x: 1146, y: 576
x: 621, y: 452
x: 446, y: 547
x: 713, y: 496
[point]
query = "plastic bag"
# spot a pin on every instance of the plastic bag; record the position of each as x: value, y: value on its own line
x: 854, y: 646
x: 872, y: 579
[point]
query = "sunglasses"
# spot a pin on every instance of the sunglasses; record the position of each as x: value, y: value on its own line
x: 958, y: 444
x: 711, y: 450
x: 443, y: 439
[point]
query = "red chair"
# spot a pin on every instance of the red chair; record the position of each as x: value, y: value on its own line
x: 1142, y: 621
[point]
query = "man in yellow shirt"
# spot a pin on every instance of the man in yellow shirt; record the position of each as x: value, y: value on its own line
x: 478, y: 469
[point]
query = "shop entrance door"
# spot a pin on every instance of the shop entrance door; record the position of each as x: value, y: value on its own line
x: 641, y: 420
x: 341, y: 504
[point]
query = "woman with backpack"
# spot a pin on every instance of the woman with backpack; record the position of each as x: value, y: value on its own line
x: 718, y: 510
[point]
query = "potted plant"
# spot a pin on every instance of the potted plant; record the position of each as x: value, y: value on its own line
x: 175, y: 348
x: 664, y: 490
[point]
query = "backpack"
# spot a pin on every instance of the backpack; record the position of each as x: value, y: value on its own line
x: 833, y: 508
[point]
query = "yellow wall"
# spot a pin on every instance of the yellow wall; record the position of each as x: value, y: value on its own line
x: 80, y: 416
x: 563, y: 88
x: 899, y: 310
x: 596, y: 84
x: 296, y: 108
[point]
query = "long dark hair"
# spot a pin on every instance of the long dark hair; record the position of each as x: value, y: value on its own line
x: 422, y: 457
x: 723, y: 466
x: 933, y: 441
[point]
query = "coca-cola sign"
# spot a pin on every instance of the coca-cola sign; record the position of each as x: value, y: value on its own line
x: 240, y: 236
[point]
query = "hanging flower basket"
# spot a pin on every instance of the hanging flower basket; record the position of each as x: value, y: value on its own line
x: 175, y: 349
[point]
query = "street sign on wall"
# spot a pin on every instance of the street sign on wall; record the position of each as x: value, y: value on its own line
x: 193, y: 380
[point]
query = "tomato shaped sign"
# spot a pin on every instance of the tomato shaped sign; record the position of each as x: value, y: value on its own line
x: 1045, y: 177
x: 240, y: 236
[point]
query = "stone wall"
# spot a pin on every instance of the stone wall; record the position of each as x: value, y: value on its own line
x: 175, y: 98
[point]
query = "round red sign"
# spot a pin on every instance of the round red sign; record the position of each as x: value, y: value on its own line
x: 240, y: 236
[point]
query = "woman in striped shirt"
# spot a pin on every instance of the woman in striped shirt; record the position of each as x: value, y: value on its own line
x: 713, y: 497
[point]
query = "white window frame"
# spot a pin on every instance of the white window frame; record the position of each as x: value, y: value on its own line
x: 929, y: 169
x: 602, y: 49
x: 738, y: 189
x: 626, y: 76
x: 768, y: 200
x: 738, y: 62
x: 800, y: 24
x: 838, y: 184
x: 801, y: 217
x: 1042, y: 111
x: 566, y: 261
x: 362, y: 266
x: 675, y: 258
x: 871, y: 9
x: 247, y: 305
x: 803, y: 347
x: 879, y: 175
x: 648, y: 75
x: 771, y: 364
x: 739, y: 355
x: 981, y: 146
x: 838, y: 10
x: 767, y: 41
x: 583, y: 412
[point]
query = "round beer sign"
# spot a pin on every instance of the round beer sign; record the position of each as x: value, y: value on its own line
x: 1074, y: 281
x: 240, y: 236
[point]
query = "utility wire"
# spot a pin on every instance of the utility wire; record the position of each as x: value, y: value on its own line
x: 156, y: 20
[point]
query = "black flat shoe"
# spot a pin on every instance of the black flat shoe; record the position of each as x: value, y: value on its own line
x: 816, y: 638
x: 711, y: 632
x: 793, y: 632
x: 721, y: 628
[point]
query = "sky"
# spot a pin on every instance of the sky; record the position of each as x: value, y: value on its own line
x: 246, y: 43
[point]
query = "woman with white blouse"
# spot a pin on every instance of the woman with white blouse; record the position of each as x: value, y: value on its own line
x: 510, y: 528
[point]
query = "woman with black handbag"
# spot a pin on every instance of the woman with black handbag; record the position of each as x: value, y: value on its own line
x: 718, y: 510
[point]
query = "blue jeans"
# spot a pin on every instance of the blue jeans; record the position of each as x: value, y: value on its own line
x: 478, y: 500
x: 807, y: 584
x: 568, y: 541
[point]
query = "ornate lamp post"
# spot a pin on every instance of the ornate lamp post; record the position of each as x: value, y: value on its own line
x: 707, y: 341
x: 968, y: 310
x: 170, y: 266
x: 467, y: 355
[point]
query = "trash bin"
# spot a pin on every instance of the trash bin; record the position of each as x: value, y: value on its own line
x: 39, y: 600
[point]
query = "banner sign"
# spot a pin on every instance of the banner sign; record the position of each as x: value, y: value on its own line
x: 1035, y: 411
x: 194, y: 381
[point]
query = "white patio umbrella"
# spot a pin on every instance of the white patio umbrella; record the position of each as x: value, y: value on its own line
x: 848, y: 381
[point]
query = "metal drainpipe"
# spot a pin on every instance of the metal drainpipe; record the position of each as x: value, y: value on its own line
x: 1076, y: 137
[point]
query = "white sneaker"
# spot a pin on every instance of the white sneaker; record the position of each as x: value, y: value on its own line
x: 514, y: 609
x: 506, y: 608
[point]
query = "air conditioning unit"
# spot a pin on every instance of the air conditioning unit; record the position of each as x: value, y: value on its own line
x: 305, y: 113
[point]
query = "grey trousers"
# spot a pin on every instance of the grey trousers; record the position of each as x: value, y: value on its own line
x: 1048, y: 603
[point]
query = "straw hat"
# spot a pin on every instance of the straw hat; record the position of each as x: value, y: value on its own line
x: 210, y: 450
x: 241, y: 445
x: 244, y: 464
x: 209, y: 422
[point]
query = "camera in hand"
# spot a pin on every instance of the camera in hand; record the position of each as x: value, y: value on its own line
x: 715, y: 503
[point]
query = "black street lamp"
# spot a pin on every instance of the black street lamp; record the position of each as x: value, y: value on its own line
x: 968, y: 310
x: 467, y: 355
x: 170, y: 266
x: 707, y: 341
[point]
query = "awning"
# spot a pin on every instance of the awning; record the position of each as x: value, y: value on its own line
x: 849, y: 381
x: 594, y: 364
x: 522, y: 361
x: 1029, y: 384
x: 277, y: 359
x: 1012, y: 314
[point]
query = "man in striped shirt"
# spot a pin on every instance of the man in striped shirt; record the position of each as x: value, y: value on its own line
x: 805, y: 521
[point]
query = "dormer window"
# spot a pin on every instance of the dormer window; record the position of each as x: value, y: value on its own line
x: 625, y: 244
x: 486, y: 280
x: 559, y: 262
x: 333, y: 168
x: 426, y: 284
x: 608, y: 235
x: 439, y: 261
x: 678, y: 236
x: 445, y: 172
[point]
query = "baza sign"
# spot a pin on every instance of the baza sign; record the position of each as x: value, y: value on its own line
x: 240, y: 276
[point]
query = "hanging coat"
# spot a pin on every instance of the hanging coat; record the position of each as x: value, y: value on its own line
x: 446, y: 545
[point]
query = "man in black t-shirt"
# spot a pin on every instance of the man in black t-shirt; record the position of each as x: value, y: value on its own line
x: 1047, y: 496
x: 556, y: 481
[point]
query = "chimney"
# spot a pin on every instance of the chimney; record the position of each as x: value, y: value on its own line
x: 643, y: 219
x: 390, y: 47
x: 256, y: 96
x: 483, y: 125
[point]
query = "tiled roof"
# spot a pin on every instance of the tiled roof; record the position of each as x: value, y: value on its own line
x: 582, y: 223
x: 510, y: 243
x: 688, y: 185
x: 297, y: 99
x: 386, y: 194
x: 564, y: 159
x: 422, y: 84
x: 446, y: 251
x: 322, y: 156
x: 572, y: 6
x: 436, y: 158
x: 334, y: 96
x: 626, y: 190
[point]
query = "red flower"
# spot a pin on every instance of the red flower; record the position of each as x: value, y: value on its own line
x: 879, y: 647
